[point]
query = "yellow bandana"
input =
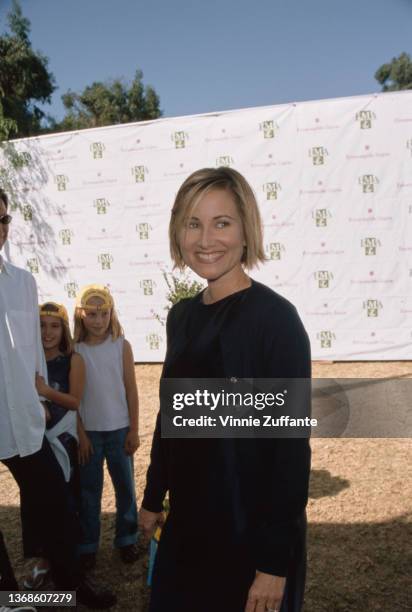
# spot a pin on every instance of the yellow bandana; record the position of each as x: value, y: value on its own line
x: 91, y: 291
x: 52, y: 309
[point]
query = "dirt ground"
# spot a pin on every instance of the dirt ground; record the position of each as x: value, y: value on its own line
x: 360, y: 510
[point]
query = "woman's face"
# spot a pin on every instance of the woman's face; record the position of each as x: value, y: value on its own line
x: 212, y: 239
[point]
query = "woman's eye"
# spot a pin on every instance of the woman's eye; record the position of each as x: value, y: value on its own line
x: 222, y: 223
x: 192, y: 225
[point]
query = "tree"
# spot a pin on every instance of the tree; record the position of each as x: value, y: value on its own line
x: 24, y: 79
x: 396, y: 75
x: 110, y: 103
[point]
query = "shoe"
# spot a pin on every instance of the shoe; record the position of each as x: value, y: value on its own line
x: 88, y: 561
x: 36, y: 578
x: 92, y: 596
x: 129, y: 553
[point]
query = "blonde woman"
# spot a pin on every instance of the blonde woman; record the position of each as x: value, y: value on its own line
x: 234, y: 540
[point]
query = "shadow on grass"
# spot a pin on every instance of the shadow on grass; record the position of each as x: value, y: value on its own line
x: 323, y: 484
x: 351, y: 567
x: 360, y: 566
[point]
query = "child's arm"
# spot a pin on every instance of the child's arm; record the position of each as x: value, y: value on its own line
x: 132, y: 439
x: 85, y: 446
x: 77, y: 377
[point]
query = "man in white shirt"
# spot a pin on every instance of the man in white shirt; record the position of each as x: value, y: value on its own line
x: 24, y: 450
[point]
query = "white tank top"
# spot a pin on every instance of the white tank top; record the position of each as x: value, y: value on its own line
x: 104, y: 405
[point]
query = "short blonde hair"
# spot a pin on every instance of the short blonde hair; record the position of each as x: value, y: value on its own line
x: 195, y: 187
x: 80, y: 332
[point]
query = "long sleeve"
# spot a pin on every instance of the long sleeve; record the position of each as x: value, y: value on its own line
x: 156, y: 478
x: 41, y: 365
x: 287, y: 352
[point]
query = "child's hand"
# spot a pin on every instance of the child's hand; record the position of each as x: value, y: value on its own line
x: 85, y: 448
x: 41, y: 386
x: 132, y: 443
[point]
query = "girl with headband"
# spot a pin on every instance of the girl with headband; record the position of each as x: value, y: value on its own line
x: 109, y: 413
x: 66, y: 377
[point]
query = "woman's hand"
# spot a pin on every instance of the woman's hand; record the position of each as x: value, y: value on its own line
x: 266, y: 593
x: 132, y: 442
x: 85, y: 448
x: 149, y: 521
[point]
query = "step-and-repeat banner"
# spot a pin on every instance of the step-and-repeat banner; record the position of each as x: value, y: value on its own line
x: 333, y: 179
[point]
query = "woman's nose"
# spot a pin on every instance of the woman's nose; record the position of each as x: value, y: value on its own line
x: 206, y: 237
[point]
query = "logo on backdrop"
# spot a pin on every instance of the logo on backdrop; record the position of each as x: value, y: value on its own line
x: 323, y: 277
x: 372, y: 307
x: 139, y: 173
x: 271, y: 190
x: 106, y: 260
x: 33, y: 265
x: 269, y: 128
x: 101, y: 205
x: 368, y: 183
x: 97, y: 149
x: 275, y: 250
x: 61, y: 181
x: 321, y: 216
x: 71, y: 289
x: 66, y: 236
x: 326, y: 338
x: 224, y: 160
x: 180, y: 139
x: 147, y: 285
x: 143, y: 229
x: 318, y: 155
x: 365, y: 119
x: 153, y: 340
x: 27, y: 212
x: 370, y: 245
x: 409, y: 145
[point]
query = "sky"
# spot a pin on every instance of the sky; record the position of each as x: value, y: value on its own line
x: 212, y: 55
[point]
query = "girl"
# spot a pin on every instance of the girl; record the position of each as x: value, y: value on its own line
x: 66, y: 376
x: 109, y: 412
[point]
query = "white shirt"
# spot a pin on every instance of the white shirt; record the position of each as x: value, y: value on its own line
x: 22, y: 417
x: 103, y: 406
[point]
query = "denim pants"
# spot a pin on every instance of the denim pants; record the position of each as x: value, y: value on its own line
x: 108, y: 445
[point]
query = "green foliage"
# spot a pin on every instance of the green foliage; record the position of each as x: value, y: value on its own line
x: 11, y: 162
x: 397, y: 75
x: 180, y: 287
x: 24, y: 80
x: 109, y: 103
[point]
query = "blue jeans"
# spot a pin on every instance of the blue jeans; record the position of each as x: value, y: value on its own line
x: 108, y: 445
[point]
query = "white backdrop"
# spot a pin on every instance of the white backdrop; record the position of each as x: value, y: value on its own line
x: 333, y: 180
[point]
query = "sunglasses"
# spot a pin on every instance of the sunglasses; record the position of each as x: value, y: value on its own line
x: 6, y: 219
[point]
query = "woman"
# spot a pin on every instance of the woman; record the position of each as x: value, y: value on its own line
x: 234, y: 540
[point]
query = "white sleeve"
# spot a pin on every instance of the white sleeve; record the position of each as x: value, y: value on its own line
x: 41, y: 366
